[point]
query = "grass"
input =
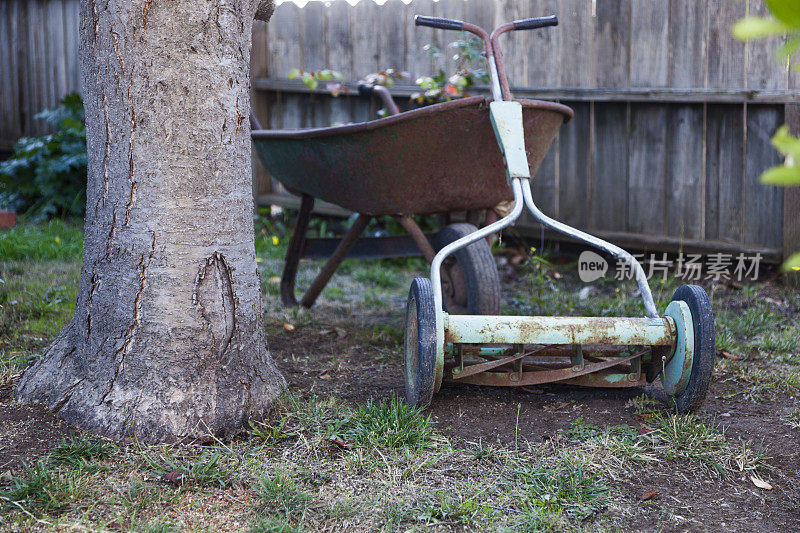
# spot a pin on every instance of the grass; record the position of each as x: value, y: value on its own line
x: 56, y: 240
x: 78, y: 452
x: 207, y: 469
x: 560, y: 489
x: 36, y: 300
x: 280, y: 491
x: 386, y: 424
x: 761, y: 384
x: 389, y: 424
x: 792, y: 418
x: 323, y: 463
x: 43, y: 488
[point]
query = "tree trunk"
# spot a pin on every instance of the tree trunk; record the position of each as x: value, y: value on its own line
x: 167, y: 341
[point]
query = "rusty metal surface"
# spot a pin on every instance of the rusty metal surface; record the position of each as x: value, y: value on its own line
x: 498, y: 57
x: 458, y: 373
x: 345, y: 245
x: 603, y: 380
x: 471, y: 329
x: 420, y: 239
x: 365, y: 247
x: 295, y: 251
x: 514, y: 379
x: 438, y: 158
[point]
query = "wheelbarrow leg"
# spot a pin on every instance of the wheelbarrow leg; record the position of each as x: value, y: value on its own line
x: 295, y: 251
x: 345, y: 245
x: 418, y: 236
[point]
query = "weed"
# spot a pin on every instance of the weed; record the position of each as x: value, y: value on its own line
x: 725, y: 340
x: 444, y: 507
x: 270, y: 433
x: 686, y: 437
x: 646, y: 405
x: 334, y: 293
x: 792, y: 418
x: 757, y: 320
x: 319, y: 418
x: 205, y: 470
x: 281, y: 492
x: 389, y: 424
x: 562, y: 487
x: 782, y: 342
x: 43, y: 488
x: 341, y: 509
x: 77, y: 452
x: 613, y: 445
x: 483, y: 452
x: 757, y: 385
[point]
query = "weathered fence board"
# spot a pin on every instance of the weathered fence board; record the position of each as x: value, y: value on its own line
x: 673, y: 115
x: 724, y: 172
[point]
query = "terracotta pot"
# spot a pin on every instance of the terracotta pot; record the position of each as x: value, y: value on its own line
x: 7, y: 219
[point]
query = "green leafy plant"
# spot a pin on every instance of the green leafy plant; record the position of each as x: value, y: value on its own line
x: 783, y: 21
x: 471, y: 68
x: 334, y: 80
x: 46, y: 175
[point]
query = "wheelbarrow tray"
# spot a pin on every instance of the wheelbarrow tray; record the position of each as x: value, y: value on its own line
x: 435, y: 159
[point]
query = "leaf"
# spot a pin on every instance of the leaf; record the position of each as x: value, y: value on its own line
x: 781, y: 175
x: 326, y: 376
x: 176, y: 478
x: 334, y: 439
x: 295, y: 73
x: 309, y: 80
x: 750, y: 28
x: 792, y: 264
x: 649, y: 495
x: 728, y: 355
x: 760, y: 483
x: 288, y: 327
x: 786, y: 11
x: 785, y: 142
x: 451, y: 89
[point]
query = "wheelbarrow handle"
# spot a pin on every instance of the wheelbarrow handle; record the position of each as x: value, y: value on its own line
x: 436, y: 22
x: 536, y: 22
x: 368, y: 89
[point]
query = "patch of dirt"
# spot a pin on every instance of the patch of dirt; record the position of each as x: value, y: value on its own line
x: 26, y: 433
x: 325, y: 365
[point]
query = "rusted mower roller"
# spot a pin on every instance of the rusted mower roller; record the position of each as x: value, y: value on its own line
x: 676, y: 347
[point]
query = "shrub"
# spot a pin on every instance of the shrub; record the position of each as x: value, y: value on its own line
x: 46, y: 175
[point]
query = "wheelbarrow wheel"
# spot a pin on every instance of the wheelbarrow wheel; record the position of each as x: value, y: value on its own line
x: 470, y: 282
x: 687, y: 395
x: 420, y: 343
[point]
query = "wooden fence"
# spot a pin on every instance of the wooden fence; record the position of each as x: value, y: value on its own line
x: 672, y: 115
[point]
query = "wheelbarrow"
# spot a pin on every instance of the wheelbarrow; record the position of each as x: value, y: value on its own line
x: 676, y: 346
x: 434, y: 160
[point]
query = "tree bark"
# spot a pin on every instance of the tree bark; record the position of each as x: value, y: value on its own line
x: 167, y: 341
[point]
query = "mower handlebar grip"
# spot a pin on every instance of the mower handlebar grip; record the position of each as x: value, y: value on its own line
x: 365, y: 89
x: 534, y: 23
x: 435, y: 22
